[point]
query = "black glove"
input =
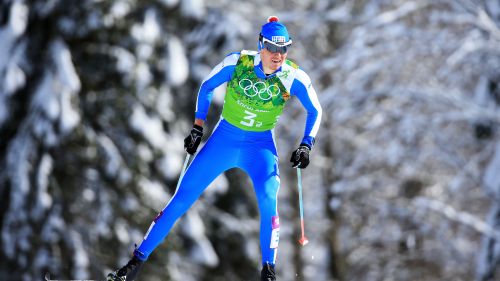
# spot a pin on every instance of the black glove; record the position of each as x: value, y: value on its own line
x: 300, y: 157
x: 192, y: 141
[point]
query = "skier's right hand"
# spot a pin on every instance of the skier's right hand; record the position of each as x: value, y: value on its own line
x: 192, y: 141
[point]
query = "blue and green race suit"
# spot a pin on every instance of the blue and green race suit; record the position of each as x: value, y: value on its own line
x: 243, y: 138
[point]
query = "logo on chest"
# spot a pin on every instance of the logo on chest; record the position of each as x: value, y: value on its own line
x: 259, y: 89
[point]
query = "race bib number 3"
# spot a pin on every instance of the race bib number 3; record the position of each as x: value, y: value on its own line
x: 249, y: 119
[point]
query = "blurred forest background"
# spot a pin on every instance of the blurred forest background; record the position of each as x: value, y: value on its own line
x: 97, y: 96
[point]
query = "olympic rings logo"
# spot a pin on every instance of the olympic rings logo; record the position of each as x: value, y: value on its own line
x: 259, y: 88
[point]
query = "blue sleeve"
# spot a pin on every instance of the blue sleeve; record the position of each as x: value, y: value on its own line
x: 303, y: 89
x: 220, y: 74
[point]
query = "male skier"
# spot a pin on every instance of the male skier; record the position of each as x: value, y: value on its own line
x: 258, y: 86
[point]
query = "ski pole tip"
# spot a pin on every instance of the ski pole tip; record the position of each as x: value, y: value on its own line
x: 303, y: 241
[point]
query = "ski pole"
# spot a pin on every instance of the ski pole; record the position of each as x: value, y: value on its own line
x: 184, y: 167
x: 303, y: 239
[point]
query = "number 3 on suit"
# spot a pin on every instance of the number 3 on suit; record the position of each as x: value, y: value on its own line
x: 250, y: 120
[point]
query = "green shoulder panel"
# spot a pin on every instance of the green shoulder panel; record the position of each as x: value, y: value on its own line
x: 246, y: 60
x: 292, y: 64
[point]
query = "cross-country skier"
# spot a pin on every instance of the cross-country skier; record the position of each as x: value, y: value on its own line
x: 258, y: 86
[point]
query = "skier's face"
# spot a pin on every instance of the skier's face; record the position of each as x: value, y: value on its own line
x: 272, y: 61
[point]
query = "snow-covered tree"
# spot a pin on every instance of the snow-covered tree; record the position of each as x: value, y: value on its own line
x: 97, y: 96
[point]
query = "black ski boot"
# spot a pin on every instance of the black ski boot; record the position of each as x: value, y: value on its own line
x: 128, y: 272
x: 268, y: 273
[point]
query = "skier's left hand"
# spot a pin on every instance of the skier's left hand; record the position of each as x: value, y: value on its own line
x: 300, y: 157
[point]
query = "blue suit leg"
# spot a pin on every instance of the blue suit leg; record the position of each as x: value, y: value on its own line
x: 200, y: 173
x: 262, y: 167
